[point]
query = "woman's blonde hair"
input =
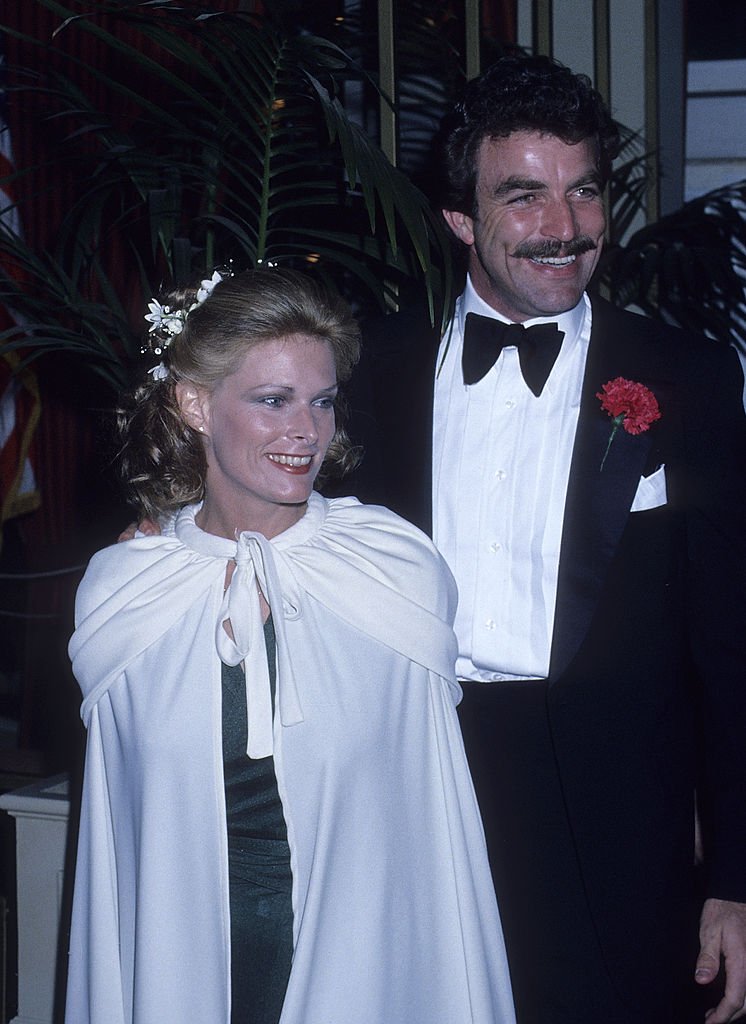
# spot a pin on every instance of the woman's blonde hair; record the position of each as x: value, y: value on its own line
x: 161, y: 459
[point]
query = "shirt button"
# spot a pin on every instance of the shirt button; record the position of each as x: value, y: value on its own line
x: 495, y: 547
x: 510, y: 404
x: 500, y: 474
x: 490, y: 624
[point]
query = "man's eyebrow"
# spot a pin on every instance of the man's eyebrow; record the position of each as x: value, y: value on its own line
x: 518, y: 185
x: 591, y: 177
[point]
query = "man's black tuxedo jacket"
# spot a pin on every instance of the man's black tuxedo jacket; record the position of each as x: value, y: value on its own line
x: 647, y: 693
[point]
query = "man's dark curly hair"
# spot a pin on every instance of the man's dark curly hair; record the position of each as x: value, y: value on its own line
x: 521, y: 93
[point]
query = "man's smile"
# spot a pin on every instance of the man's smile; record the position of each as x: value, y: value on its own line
x: 553, y: 261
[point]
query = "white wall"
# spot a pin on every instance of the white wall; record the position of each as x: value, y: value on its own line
x: 715, y: 125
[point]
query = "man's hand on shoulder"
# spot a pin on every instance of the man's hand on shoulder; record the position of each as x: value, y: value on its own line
x: 722, y: 932
x: 147, y: 526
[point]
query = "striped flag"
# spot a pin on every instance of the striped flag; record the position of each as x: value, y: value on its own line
x: 19, y: 390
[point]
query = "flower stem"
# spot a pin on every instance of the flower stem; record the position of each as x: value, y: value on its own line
x: 617, y: 421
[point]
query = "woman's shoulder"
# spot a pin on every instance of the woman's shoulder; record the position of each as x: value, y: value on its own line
x: 113, y: 567
x: 376, y: 523
x: 388, y: 547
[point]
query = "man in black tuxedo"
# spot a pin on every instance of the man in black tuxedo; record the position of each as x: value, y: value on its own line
x: 599, y: 553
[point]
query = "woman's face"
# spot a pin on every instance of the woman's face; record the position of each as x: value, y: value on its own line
x: 267, y: 427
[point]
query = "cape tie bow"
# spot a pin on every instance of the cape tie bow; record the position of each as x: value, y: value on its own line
x: 256, y: 569
x: 486, y: 337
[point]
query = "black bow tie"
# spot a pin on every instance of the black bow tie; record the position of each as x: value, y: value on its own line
x: 485, y: 338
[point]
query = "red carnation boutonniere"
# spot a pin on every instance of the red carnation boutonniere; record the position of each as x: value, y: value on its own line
x: 630, y: 405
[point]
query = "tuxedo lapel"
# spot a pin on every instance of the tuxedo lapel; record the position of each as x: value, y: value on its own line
x: 598, y: 501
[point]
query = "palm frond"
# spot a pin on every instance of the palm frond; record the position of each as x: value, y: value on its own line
x: 690, y: 266
x: 204, y: 138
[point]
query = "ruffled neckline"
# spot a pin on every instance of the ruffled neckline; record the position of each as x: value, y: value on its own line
x: 183, y: 527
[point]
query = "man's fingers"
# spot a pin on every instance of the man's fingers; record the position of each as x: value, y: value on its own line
x: 723, y: 932
x: 128, y: 533
x: 730, y: 1008
x: 708, y: 965
x: 148, y: 527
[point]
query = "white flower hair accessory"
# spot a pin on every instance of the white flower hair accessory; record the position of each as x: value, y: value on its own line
x: 206, y: 289
x: 169, y: 322
x: 158, y: 372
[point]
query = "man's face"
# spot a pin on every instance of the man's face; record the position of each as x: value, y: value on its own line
x: 537, y: 233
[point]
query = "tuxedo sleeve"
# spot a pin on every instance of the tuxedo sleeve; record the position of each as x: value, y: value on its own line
x: 715, y: 498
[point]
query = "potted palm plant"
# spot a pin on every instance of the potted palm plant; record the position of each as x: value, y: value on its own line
x: 197, y: 138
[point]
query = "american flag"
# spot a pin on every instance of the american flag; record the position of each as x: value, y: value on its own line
x: 19, y: 390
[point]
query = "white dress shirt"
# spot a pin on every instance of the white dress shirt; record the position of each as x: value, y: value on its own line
x: 501, y: 462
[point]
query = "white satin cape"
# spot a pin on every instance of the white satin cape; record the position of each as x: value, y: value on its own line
x: 395, y: 920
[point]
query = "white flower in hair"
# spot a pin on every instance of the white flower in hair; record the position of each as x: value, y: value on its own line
x: 164, y: 318
x: 158, y: 372
x: 170, y: 322
x: 206, y: 288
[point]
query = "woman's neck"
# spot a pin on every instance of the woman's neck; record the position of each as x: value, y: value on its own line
x: 229, y: 523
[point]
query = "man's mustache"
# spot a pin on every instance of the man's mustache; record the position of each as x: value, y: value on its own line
x: 551, y: 248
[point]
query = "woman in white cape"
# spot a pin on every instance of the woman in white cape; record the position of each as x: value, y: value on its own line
x: 278, y: 823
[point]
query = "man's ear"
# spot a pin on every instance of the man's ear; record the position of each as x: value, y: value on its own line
x: 461, y: 225
x: 194, y: 406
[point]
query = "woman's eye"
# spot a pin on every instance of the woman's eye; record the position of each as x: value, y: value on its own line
x: 324, y: 403
x: 273, y: 401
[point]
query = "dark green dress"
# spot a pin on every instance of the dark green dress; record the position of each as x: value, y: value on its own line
x: 259, y: 863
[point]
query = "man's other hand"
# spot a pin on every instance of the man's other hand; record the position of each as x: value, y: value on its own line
x: 722, y: 932
x: 147, y: 526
